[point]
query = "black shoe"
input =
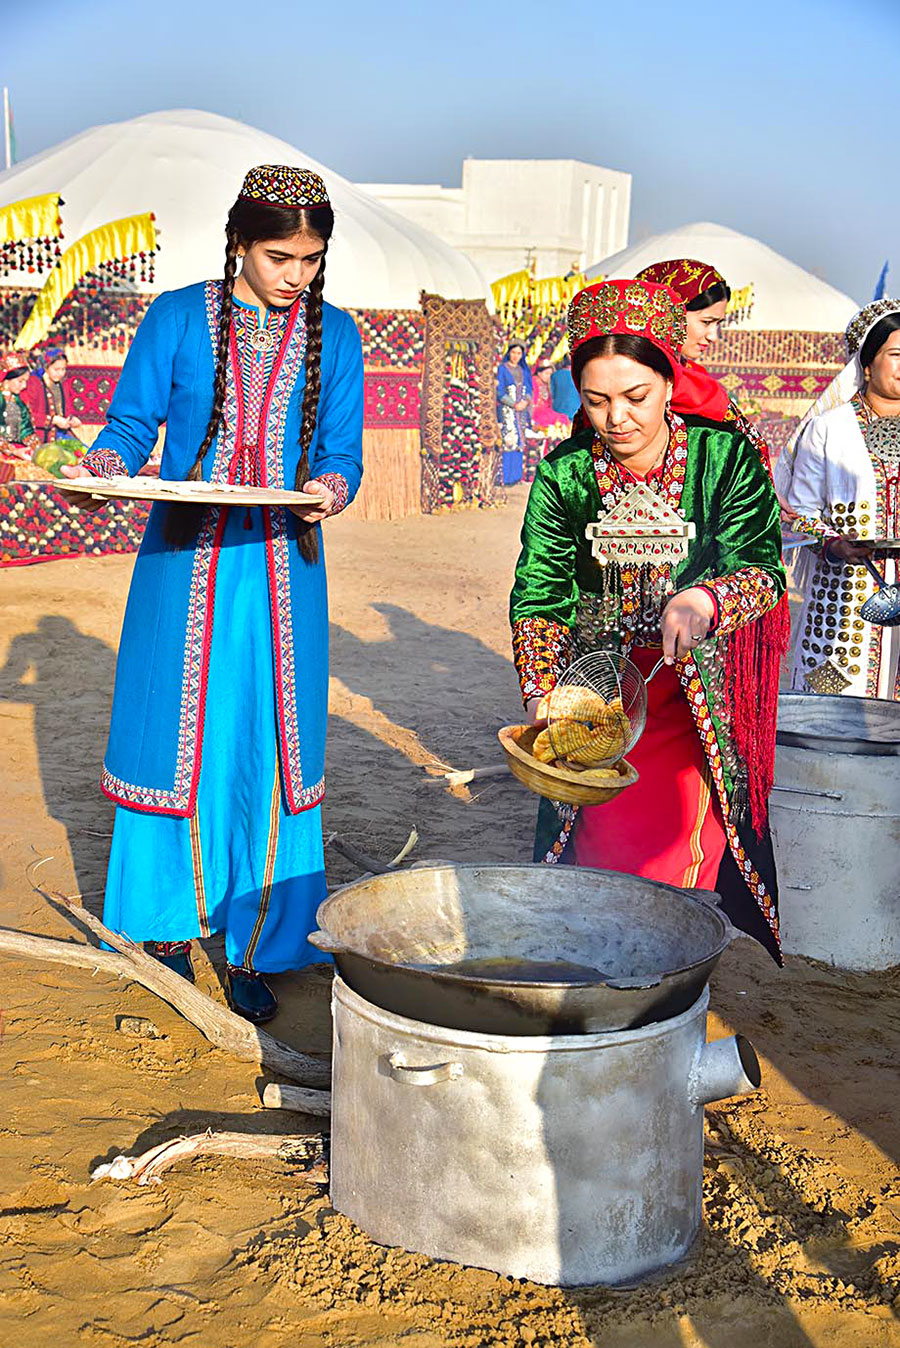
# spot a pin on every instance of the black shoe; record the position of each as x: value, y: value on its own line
x: 251, y: 996
x: 175, y: 955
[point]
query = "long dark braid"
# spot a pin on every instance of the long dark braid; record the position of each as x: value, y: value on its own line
x: 308, y: 538
x: 183, y: 521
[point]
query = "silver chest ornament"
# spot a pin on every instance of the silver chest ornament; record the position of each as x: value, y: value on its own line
x: 883, y: 439
x: 639, y: 543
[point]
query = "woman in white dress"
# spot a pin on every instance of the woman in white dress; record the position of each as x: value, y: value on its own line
x: 840, y: 477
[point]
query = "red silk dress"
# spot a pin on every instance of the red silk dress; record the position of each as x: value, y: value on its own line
x: 668, y: 826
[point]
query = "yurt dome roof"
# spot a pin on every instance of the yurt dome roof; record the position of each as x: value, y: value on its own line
x: 785, y: 296
x: 187, y: 167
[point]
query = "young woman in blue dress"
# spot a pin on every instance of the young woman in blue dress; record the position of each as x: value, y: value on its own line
x: 215, y: 758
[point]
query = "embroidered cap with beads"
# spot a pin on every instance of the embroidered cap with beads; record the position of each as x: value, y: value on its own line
x: 859, y: 327
x: 283, y: 185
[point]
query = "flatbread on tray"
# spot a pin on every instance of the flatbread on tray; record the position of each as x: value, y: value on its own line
x: 146, y: 488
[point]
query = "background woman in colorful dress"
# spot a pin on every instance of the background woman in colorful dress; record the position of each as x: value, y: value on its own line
x: 543, y: 414
x: 839, y: 479
x: 18, y: 438
x: 216, y: 749
x: 514, y: 398
x: 698, y: 816
x: 48, y: 398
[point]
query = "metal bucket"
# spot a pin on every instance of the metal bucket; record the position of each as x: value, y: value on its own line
x: 568, y: 1160
x: 523, y: 949
x: 835, y: 814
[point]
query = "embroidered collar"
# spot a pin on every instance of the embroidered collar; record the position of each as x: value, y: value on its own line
x: 667, y: 479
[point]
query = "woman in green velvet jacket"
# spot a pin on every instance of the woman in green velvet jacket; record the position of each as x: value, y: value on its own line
x: 698, y: 815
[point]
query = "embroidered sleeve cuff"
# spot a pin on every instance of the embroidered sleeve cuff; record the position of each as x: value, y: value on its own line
x: 714, y: 622
x: 339, y: 486
x: 541, y: 653
x: 104, y: 463
x: 742, y: 597
x: 813, y: 527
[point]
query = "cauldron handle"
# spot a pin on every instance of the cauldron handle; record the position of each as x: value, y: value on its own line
x: 405, y: 1075
x: 329, y: 944
x: 714, y: 900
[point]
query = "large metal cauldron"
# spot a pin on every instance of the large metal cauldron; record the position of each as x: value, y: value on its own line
x: 523, y: 949
x: 835, y: 817
x: 568, y: 1160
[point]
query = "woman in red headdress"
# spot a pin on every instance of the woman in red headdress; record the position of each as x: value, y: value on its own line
x: 705, y: 294
x: 698, y: 816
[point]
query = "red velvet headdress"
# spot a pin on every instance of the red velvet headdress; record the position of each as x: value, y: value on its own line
x: 13, y: 361
x: 636, y: 307
x: 654, y: 311
x: 685, y: 275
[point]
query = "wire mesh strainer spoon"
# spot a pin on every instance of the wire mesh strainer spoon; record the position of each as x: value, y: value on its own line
x: 883, y: 607
x: 597, y: 712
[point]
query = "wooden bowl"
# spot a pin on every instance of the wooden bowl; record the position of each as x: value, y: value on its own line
x: 594, y: 786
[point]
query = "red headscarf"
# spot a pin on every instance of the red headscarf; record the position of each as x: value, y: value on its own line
x: 699, y: 395
x: 655, y: 311
x: 685, y: 275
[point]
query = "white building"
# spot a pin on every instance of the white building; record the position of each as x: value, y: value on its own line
x: 549, y: 215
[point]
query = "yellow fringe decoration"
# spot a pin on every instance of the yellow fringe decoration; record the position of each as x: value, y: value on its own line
x: 31, y: 218
x: 741, y: 302
x: 117, y: 240
x: 520, y: 301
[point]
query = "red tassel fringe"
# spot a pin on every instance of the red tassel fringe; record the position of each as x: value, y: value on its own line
x: 752, y: 676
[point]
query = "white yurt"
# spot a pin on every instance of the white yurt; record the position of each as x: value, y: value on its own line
x: 784, y: 298
x: 187, y: 166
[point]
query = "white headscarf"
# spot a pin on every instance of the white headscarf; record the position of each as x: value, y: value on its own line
x: 841, y: 389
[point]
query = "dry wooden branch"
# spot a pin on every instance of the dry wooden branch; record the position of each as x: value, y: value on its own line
x: 296, y: 1098
x: 369, y: 863
x: 476, y: 774
x: 216, y: 1023
x: 79, y: 954
x: 405, y: 849
x: 148, y: 1167
x: 356, y: 855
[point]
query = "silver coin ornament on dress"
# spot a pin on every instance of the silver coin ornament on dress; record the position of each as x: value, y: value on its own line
x: 883, y: 438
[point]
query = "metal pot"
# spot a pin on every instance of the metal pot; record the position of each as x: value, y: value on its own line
x: 567, y: 1160
x: 523, y: 950
x: 839, y: 725
x: 836, y: 829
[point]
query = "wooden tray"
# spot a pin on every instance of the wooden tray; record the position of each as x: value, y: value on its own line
x: 182, y: 493
x: 595, y: 786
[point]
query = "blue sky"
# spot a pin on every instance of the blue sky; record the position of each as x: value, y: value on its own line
x: 775, y: 117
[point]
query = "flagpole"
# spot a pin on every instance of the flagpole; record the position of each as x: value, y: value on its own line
x: 6, y: 136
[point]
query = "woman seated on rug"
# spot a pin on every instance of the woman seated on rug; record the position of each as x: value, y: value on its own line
x: 698, y: 816
x: 839, y: 479
x: 48, y: 398
x: 18, y: 440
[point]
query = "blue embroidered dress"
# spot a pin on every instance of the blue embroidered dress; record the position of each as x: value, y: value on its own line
x: 217, y: 741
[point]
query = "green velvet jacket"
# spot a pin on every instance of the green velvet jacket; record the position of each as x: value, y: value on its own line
x: 727, y: 494
x: 713, y: 477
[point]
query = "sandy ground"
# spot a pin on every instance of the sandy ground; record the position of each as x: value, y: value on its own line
x: 802, y: 1239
